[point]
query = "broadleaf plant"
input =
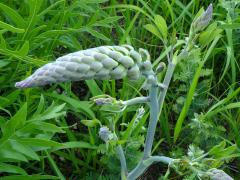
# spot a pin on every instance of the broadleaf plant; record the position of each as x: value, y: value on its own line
x: 117, y: 62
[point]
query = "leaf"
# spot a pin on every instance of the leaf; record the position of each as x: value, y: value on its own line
x: 4, y: 167
x: 11, y: 28
x: 93, y: 87
x: 207, y: 36
x: 11, y: 98
x: 48, y: 127
x: 151, y: 28
x: 76, y: 144
x: 16, y: 121
x: 7, y: 153
x: 187, y: 103
x: 162, y: 25
x: 230, y: 26
x: 82, y: 106
x: 25, y: 150
x: 39, y: 142
x: 91, y: 123
x: 2, y: 42
x: 24, y: 49
x: 96, y: 34
x: 40, y: 106
x: 51, y: 112
x: 4, y: 63
x: 217, y: 148
x: 14, y: 15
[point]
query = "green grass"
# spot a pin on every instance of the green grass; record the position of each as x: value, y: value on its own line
x: 41, y: 131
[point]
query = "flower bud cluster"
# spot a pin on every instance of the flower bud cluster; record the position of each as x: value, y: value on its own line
x: 105, y: 134
x: 104, y: 62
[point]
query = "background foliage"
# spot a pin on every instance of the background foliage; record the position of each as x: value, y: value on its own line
x: 45, y: 132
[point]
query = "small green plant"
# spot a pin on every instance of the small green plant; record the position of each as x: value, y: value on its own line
x: 117, y: 62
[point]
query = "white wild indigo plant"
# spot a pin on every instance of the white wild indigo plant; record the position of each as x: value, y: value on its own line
x: 117, y: 62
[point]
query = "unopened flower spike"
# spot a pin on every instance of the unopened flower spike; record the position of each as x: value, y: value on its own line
x: 104, y: 62
x: 201, y: 22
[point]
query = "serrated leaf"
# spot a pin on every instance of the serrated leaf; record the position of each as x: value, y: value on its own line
x: 217, y: 148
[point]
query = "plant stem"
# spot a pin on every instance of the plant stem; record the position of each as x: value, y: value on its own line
x: 156, y: 104
x: 137, y: 100
x: 154, y: 109
x: 124, y: 171
x: 143, y: 165
x: 166, y: 82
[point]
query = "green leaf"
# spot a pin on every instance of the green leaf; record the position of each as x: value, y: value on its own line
x: 51, y: 112
x: 91, y: 123
x: 187, y: 103
x: 76, y: 144
x: 39, y: 142
x: 25, y: 150
x: 13, y: 14
x: 11, y: 98
x: 207, y: 36
x: 40, y: 106
x: 230, y: 26
x: 162, y: 25
x: 10, y: 154
x: 93, y: 87
x: 11, y: 28
x: 4, y: 63
x: 4, y: 167
x: 82, y: 106
x: 48, y: 127
x: 151, y: 28
x: 16, y: 121
x: 96, y: 34
x: 24, y: 49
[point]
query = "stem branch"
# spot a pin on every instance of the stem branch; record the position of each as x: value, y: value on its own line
x: 137, y: 100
